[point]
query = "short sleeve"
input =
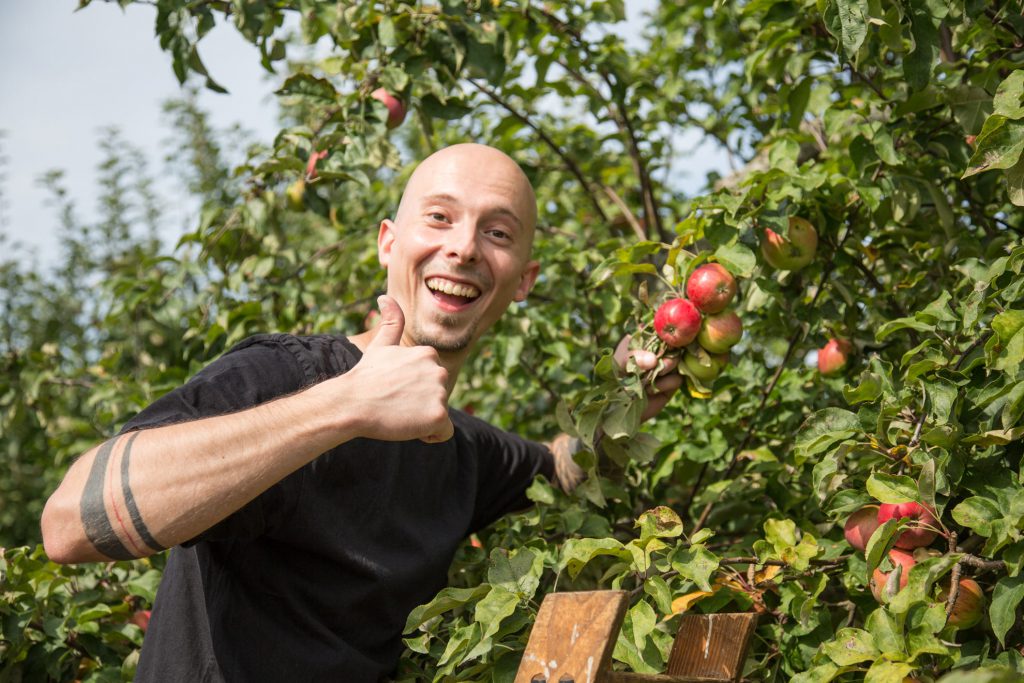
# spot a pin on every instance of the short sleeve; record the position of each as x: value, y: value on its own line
x: 255, y: 371
x: 506, y: 466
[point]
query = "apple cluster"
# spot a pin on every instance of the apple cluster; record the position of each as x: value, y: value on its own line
x: 909, y: 548
x: 701, y: 326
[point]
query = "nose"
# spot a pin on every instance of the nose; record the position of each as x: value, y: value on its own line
x: 462, y: 244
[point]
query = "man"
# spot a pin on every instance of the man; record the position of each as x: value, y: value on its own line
x: 318, y: 487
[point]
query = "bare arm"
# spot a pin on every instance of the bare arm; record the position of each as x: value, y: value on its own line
x: 143, y: 491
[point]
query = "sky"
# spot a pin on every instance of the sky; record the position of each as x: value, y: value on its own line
x: 66, y: 75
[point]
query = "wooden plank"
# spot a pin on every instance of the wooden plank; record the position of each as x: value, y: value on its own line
x: 712, y: 647
x: 628, y: 677
x: 573, y: 637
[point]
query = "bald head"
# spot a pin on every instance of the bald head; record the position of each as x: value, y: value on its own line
x: 484, y: 164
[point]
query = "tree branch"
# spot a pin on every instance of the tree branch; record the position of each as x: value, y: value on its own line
x: 566, y: 159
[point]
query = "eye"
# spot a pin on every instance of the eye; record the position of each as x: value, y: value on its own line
x: 500, y: 233
x: 438, y: 217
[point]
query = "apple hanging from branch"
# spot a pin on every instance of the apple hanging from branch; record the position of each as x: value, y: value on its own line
x: 794, y: 251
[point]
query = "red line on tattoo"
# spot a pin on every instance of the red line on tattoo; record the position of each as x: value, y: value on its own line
x: 117, y: 513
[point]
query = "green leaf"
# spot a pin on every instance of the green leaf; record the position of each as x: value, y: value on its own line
x: 879, y: 543
x: 737, y: 258
x: 659, y: 522
x: 1007, y: 594
x: 577, y: 552
x: 697, y: 564
x: 884, y: 671
x: 902, y: 324
x: 822, y: 673
x: 847, y: 21
x: 971, y: 106
x: 309, y: 87
x: 998, y: 146
x: 892, y: 488
x: 977, y: 513
x: 1015, y: 183
x: 887, y: 632
x: 1007, y: 324
x: 1009, y: 99
x: 448, y: 599
x: 869, y: 389
x: 823, y: 429
x: 386, y: 31
x: 851, y: 646
x: 517, y: 571
x: 918, y: 65
x: 498, y: 605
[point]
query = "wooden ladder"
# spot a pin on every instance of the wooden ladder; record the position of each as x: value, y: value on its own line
x: 573, y: 638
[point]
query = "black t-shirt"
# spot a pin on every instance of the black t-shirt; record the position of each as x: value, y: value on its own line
x: 314, y: 579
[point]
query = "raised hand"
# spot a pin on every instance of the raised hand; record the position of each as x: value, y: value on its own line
x: 401, y: 390
x: 667, y: 380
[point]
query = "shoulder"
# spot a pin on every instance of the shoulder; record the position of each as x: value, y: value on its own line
x: 311, y: 358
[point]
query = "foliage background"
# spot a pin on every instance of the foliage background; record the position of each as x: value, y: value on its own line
x: 896, y: 128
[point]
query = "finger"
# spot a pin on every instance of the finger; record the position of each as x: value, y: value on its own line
x: 667, y: 384
x: 446, y: 432
x: 667, y: 365
x: 392, y: 323
x: 621, y: 355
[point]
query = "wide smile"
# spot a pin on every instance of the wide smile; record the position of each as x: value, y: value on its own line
x: 452, y: 295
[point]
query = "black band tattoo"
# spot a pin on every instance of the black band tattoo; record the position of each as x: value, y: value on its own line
x: 94, y: 513
x: 129, y: 499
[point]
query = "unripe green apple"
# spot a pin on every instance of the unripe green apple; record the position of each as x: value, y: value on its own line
x: 720, y: 332
x: 706, y: 367
x: 794, y: 251
x: 295, y: 193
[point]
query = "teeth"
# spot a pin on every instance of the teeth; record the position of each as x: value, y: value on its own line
x: 449, y: 287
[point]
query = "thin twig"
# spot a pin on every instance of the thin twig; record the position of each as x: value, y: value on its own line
x: 566, y: 159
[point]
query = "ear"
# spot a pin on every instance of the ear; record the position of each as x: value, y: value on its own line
x: 526, y: 280
x: 385, y: 240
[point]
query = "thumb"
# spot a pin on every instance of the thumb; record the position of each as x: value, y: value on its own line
x: 392, y: 323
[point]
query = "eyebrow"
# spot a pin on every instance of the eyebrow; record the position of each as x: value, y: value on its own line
x: 443, y: 197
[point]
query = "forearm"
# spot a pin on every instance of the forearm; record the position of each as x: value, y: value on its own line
x: 141, y: 492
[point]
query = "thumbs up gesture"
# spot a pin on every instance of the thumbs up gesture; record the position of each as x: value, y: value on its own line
x: 401, y: 391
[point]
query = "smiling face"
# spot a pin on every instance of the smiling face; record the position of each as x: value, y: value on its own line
x: 458, y: 250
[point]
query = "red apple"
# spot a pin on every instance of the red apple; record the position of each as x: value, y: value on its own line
x: 902, y: 561
x: 706, y: 373
x: 711, y: 288
x: 140, y: 619
x: 969, y: 606
x: 396, y: 109
x: 833, y: 356
x: 860, y: 526
x: 794, y: 251
x: 677, y: 322
x: 720, y: 331
x: 922, y: 518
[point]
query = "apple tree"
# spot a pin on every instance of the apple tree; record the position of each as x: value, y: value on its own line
x: 851, y: 471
